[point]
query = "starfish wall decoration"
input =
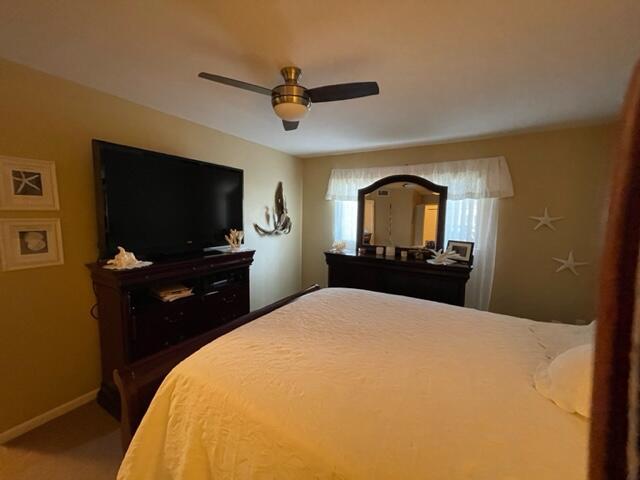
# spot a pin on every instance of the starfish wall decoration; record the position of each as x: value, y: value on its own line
x: 24, y: 180
x: 569, y: 264
x: 545, y: 220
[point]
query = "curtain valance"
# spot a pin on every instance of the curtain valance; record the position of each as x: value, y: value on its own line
x: 478, y: 178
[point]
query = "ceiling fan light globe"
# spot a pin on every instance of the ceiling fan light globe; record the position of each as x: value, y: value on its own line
x: 291, y: 112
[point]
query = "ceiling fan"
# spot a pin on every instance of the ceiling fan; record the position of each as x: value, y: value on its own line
x: 291, y: 101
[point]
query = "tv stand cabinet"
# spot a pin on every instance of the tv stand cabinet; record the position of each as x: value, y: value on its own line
x: 134, y: 324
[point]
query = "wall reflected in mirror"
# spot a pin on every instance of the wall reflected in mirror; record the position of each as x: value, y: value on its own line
x: 400, y: 214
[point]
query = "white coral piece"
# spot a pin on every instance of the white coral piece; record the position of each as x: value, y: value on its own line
x: 234, y: 239
x: 444, y: 256
x: 339, y: 246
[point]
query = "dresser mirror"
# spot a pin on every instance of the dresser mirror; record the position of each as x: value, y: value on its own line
x: 401, y: 211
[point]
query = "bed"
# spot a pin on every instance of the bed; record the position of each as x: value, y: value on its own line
x: 354, y: 384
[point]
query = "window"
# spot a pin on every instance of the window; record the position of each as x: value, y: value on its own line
x: 345, y: 218
x: 476, y: 220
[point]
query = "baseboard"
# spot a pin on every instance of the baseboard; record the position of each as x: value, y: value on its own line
x: 35, y: 422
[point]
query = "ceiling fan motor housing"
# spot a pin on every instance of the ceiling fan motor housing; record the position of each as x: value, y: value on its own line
x: 290, y: 101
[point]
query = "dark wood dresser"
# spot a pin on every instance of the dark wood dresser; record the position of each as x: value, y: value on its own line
x: 134, y: 324
x: 412, y: 278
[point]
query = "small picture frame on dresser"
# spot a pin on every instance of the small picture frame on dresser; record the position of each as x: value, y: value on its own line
x: 27, y: 184
x: 464, y: 250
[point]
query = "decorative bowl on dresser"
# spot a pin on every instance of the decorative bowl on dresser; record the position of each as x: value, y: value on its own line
x: 135, y: 325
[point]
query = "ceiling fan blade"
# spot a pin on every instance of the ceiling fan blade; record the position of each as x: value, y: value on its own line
x: 235, y: 83
x: 288, y: 126
x: 343, y: 91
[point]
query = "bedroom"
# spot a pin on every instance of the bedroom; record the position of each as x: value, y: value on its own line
x: 536, y: 86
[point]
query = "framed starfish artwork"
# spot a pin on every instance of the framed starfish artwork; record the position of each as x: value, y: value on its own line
x: 28, y: 184
x: 30, y: 243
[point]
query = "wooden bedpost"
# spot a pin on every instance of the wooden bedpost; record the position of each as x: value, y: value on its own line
x: 613, y: 440
x: 128, y: 401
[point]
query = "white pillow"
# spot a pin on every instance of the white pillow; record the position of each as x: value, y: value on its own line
x: 567, y: 380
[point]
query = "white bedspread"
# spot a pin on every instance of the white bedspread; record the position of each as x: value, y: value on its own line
x: 361, y: 385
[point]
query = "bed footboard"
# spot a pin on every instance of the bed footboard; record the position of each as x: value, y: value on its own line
x: 138, y: 382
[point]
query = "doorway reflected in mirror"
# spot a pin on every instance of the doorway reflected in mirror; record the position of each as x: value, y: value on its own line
x: 400, y: 214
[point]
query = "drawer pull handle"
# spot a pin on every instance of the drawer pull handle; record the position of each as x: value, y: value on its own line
x: 211, y: 293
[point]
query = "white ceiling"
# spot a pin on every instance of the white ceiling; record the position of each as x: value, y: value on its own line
x: 446, y: 69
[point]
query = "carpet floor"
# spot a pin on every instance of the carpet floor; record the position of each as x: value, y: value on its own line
x: 83, y: 444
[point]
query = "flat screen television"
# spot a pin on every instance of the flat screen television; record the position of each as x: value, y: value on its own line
x: 158, y: 205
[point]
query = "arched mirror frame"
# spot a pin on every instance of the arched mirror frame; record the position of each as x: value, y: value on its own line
x: 439, y: 189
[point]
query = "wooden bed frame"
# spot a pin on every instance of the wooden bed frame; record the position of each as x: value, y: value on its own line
x: 138, y: 382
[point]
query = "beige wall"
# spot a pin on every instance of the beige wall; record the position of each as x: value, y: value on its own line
x: 566, y: 170
x: 49, y: 350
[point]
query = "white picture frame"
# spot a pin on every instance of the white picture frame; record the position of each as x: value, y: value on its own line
x: 30, y: 243
x: 27, y: 184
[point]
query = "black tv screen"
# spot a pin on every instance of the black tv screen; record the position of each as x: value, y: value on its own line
x: 156, y: 205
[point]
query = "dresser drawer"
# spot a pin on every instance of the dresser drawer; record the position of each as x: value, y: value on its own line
x: 155, y: 325
x: 165, y: 324
x: 225, y: 304
x: 411, y: 278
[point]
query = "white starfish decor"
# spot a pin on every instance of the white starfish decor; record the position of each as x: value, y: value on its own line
x: 26, y: 181
x: 545, y: 220
x: 569, y: 264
